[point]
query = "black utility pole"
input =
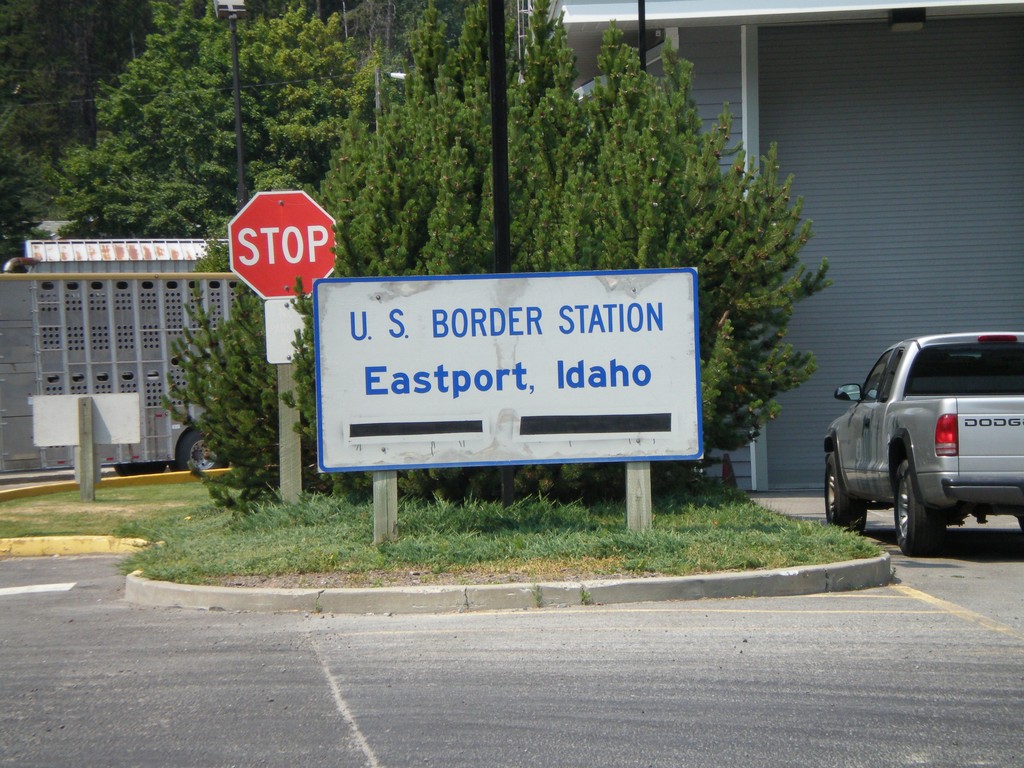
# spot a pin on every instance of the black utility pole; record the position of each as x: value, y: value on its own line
x: 499, y: 172
x: 242, y: 193
x: 233, y: 10
x: 641, y: 14
x: 499, y: 137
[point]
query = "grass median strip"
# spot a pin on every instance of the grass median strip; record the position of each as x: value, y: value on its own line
x: 327, y: 542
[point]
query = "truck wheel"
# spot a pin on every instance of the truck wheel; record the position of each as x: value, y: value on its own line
x: 919, y: 530
x: 192, y: 454
x: 840, y: 509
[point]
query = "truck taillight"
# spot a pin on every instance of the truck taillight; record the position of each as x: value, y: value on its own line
x: 947, y: 436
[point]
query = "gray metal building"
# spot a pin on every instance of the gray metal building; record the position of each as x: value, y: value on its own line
x: 904, y: 130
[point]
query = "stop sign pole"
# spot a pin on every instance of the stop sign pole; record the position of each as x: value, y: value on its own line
x: 276, y: 240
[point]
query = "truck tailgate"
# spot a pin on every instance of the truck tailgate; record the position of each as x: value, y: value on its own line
x: 991, y: 434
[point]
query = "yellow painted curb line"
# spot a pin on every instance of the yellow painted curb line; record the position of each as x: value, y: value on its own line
x: 46, y: 546
x: 164, y: 478
x: 27, y: 491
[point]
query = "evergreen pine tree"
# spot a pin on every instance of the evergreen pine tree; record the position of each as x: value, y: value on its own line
x: 663, y: 199
x: 626, y: 178
x: 233, y: 393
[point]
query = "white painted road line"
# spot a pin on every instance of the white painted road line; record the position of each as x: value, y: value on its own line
x: 34, y: 588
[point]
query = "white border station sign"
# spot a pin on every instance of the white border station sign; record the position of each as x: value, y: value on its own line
x: 479, y: 370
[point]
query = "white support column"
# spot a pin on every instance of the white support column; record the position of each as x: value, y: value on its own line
x: 671, y: 38
x: 751, y: 95
x: 752, y: 146
x: 86, y: 470
x: 289, y: 441
x: 759, y: 462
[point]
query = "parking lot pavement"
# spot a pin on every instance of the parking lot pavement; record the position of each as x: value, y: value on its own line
x: 28, y: 478
x: 810, y: 505
x: 803, y: 505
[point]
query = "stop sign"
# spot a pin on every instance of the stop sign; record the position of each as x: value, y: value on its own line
x: 278, y: 237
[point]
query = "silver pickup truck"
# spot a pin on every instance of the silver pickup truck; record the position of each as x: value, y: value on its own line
x: 936, y: 431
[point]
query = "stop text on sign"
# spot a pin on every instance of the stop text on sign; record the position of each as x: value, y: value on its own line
x: 292, y: 243
x: 478, y: 370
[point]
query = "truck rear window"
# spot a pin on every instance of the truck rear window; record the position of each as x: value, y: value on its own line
x: 968, y: 369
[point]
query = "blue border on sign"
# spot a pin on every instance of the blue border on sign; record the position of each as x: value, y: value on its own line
x: 507, y: 276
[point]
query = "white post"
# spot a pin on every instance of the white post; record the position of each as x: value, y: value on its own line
x: 289, y: 441
x: 385, y: 506
x: 85, y: 452
x: 638, y: 495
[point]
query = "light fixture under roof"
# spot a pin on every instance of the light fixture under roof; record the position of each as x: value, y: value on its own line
x: 906, y: 19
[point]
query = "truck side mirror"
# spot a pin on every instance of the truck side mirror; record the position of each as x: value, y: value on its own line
x: 848, y: 392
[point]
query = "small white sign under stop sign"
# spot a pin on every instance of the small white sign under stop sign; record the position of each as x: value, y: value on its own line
x: 283, y: 321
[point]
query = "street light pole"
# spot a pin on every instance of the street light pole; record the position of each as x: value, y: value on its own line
x: 233, y: 11
x: 243, y: 194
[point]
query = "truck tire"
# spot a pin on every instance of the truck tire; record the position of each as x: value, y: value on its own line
x: 191, y: 454
x: 840, y: 509
x: 919, y: 530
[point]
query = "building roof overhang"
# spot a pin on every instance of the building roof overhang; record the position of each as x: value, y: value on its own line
x: 583, y: 15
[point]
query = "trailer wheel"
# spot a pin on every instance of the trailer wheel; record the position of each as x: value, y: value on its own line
x: 192, y: 454
x: 919, y: 530
x: 840, y: 509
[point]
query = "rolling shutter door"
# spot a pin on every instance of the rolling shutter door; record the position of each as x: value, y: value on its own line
x: 908, y: 150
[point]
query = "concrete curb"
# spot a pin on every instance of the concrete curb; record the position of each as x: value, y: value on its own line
x: 46, y: 546
x: 802, y: 580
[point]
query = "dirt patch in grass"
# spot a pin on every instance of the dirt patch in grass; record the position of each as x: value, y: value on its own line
x: 537, y: 573
x: 113, y: 511
x: 128, y: 510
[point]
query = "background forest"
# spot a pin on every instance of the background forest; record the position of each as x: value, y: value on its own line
x: 73, y: 73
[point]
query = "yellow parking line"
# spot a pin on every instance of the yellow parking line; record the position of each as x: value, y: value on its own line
x: 959, y: 611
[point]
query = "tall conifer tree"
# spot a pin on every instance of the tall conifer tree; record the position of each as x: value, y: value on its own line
x: 626, y: 178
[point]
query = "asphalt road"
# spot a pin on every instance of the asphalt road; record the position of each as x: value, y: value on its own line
x: 982, y: 567
x: 928, y: 671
